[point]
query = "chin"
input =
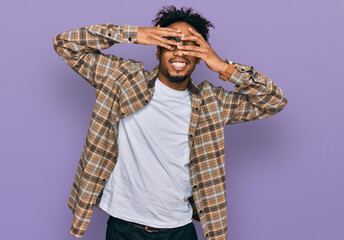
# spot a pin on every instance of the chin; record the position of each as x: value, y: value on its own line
x: 177, y: 78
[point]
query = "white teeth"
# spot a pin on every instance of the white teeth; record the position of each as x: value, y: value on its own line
x: 178, y: 64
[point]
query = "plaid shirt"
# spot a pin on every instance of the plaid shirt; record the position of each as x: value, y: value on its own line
x: 123, y: 87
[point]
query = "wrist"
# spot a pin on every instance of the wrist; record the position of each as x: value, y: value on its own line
x: 222, y: 67
x: 227, y: 73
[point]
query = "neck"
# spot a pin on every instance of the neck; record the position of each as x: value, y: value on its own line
x: 177, y: 86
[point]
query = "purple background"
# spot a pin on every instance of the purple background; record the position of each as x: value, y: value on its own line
x: 284, y: 173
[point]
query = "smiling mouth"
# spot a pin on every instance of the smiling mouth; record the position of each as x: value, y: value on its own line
x: 179, y: 65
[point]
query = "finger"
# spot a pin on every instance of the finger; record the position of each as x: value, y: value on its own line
x: 194, y: 32
x: 167, y: 29
x: 192, y: 48
x: 191, y: 38
x: 194, y: 54
x: 169, y: 42
x: 197, y: 38
x: 197, y: 34
x: 173, y: 29
x: 170, y: 34
x: 163, y: 42
x: 167, y: 34
x: 159, y: 41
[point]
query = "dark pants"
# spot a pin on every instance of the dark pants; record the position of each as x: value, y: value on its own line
x: 118, y: 229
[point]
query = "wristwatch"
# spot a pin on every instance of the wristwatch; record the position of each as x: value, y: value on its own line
x: 227, y: 74
x: 228, y: 61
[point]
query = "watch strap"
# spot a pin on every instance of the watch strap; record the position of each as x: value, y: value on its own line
x: 229, y: 70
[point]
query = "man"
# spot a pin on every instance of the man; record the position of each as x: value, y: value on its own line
x: 154, y: 152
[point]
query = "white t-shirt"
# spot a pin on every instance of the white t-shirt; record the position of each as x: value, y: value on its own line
x: 150, y: 183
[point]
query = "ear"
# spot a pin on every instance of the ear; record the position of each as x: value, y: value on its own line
x: 158, y: 53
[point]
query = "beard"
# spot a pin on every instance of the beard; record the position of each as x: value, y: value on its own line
x: 176, y: 79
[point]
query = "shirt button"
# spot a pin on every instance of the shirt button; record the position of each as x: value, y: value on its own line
x: 104, y: 180
x: 149, y: 85
x: 207, y: 235
x: 109, y: 34
x: 200, y: 211
x: 242, y: 69
x: 146, y: 101
x: 190, y: 161
x: 196, y: 109
x: 129, y: 38
x: 195, y: 186
x: 92, y: 204
x: 123, y: 114
x: 191, y: 135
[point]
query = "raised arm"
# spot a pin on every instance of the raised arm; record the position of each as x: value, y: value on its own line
x: 80, y: 48
x: 256, y: 96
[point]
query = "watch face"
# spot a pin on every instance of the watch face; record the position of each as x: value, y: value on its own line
x: 227, y: 61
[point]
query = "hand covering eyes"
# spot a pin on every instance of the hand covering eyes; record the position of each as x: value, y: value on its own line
x: 185, y: 43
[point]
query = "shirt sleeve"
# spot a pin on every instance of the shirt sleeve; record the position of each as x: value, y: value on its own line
x: 256, y: 96
x: 80, y: 49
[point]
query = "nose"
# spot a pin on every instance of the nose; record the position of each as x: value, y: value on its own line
x: 178, y: 52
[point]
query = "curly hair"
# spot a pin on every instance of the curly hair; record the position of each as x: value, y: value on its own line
x: 170, y: 14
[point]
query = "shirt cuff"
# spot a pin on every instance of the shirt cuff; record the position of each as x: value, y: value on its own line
x: 129, y: 33
x: 243, y: 73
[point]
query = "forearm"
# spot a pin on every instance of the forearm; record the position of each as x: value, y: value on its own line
x: 260, y: 90
x: 73, y: 44
x: 80, y: 49
x: 256, y: 96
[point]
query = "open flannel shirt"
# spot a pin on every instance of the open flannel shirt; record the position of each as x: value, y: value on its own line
x: 123, y: 87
